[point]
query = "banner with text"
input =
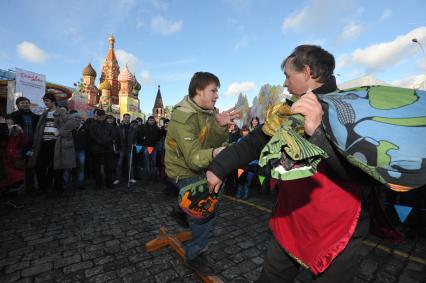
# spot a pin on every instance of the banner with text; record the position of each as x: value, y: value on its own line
x: 32, y: 86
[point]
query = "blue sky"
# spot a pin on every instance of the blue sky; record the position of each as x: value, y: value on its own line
x: 242, y: 41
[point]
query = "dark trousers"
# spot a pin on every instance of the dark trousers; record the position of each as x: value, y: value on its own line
x: 103, y: 160
x: 46, y: 175
x: 280, y: 267
x: 29, y: 176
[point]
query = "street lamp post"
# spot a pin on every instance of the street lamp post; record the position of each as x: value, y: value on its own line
x: 424, y: 59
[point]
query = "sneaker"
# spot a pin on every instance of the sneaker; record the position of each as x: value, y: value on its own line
x: 116, y: 182
x: 199, y: 264
x: 180, y: 218
x: 133, y: 181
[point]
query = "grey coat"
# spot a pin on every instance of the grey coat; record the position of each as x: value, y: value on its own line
x: 64, y: 156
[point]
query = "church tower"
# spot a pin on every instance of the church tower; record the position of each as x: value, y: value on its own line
x: 105, y: 99
x: 158, y: 110
x: 111, y: 70
x: 89, y: 88
x: 128, y: 103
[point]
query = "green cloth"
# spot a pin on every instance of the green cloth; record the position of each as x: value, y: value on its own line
x: 288, y: 154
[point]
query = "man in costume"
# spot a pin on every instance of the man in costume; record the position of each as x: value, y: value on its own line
x: 318, y: 222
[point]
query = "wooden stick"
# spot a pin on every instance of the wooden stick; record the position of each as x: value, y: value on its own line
x: 175, y: 242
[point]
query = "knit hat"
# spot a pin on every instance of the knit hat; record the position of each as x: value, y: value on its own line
x: 21, y: 98
x: 50, y: 96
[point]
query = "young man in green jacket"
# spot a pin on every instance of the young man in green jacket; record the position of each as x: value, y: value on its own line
x: 195, y: 135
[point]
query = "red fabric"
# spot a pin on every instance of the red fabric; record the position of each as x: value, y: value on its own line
x: 315, y: 218
x: 12, y: 150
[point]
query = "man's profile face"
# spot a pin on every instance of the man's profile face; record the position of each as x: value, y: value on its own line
x: 207, y: 97
x: 24, y: 105
x: 296, y: 82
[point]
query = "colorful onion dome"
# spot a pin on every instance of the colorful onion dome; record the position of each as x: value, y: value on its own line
x: 137, y: 86
x: 89, y: 71
x: 125, y: 75
x: 105, y: 85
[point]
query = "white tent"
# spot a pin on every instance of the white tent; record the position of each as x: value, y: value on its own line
x: 421, y: 85
x: 362, y: 81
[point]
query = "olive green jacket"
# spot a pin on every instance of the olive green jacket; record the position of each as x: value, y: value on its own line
x: 191, y: 137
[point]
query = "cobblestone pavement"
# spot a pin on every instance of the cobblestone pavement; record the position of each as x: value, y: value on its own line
x: 99, y: 236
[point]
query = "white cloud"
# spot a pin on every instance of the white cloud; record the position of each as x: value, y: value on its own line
x: 128, y: 58
x: 145, y: 77
x: 243, y: 42
x: 410, y: 81
x: 241, y: 5
x: 31, y: 52
x: 343, y: 61
x: 351, y: 31
x: 165, y: 26
x: 237, y: 88
x: 420, y: 64
x: 387, y: 54
x: 386, y: 14
x: 159, y: 4
x: 318, y: 14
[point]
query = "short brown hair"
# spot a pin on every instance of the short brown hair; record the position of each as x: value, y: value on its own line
x: 320, y: 61
x: 200, y: 80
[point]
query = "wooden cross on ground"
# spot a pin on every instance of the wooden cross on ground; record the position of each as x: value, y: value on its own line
x: 175, y: 242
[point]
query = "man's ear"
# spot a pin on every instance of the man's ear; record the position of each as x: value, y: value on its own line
x: 307, y: 72
x: 198, y: 91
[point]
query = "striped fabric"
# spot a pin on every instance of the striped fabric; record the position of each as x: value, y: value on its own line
x: 50, y: 131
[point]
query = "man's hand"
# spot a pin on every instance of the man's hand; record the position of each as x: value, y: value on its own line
x: 213, y: 182
x: 309, y: 106
x: 217, y: 150
x: 224, y: 118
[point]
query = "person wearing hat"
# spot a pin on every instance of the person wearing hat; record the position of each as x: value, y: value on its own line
x: 53, y: 145
x: 27, y: 120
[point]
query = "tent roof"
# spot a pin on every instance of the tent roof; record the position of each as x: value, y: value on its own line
x: 362, y: 81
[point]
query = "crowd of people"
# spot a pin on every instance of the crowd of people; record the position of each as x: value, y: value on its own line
x: 318, y: 222
x: 58, y: 150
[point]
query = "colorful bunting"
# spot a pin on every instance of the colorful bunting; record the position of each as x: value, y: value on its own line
x: 150, y: 149
x: 240, y: 172
x: 138, y: 148
x: 261, y: 179
x: 403, y: 211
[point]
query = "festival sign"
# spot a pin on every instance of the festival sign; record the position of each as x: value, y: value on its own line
x: 30, y: 85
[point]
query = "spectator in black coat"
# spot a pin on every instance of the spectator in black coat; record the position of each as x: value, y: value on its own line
x: 126, y: 138
x: 149, y: 137
x: 101, y: 139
